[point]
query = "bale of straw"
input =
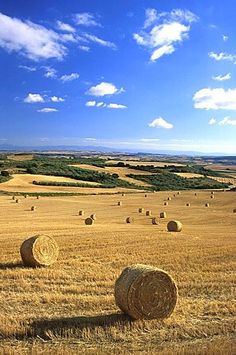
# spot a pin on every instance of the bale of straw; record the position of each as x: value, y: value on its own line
x: 123, y: 194
x: 187, y: 204
x: 212, y: 193
x: 174, y: 226
x: 195, y: 194
x: 17, y: 201
x: 207, y: 205
x: 148, y: 213
x: 234, y: 210
x: 173, y: 195
x: 145, y: 195
x: 25, y: 196
x: 38, y: 197
x: 33, y: 208
x: 40, y: 250
x: 212, y: 196
x: 155, y: 220
x: 89, y: 221
x: 169, y: 198
x: 162, y: 214
x: 141, y: 210
x: 145, y: 292
x: 93, y: 216
x: 130, y: 220
x: 178, y: 193
x: 165, y: 203
x: 119, y: 203
x: 13, y: 197
x: 81, y: 213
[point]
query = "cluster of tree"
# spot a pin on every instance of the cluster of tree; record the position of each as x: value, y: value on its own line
x: 69, y: 184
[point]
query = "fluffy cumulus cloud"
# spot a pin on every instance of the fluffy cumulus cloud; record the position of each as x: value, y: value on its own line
x: 86, y: 19
x: 212, y: 121
x: 222, y: 77
x: 69, y: 77
x: 162, y: 32
x: 222, y: 56
x: 160, y: 123
x: 56, y: 99
x: 103, y: 89
x: 47, y: 110
x: 215, y: 99
x: 65, y: 27
x: 29, y: 39
x: 33, y: 98
x: 227, y: 121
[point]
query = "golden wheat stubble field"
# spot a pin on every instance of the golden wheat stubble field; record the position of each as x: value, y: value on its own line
x: 69, y: 307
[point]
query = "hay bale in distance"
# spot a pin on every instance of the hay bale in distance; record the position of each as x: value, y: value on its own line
x: 234, y: 210
x: 148, y: 213
x: 207, y: 205
x: 188, y: 204
x: 130, y: 220
x: 89, y: 221
x: 169, y: 198
x: 155, y: 221
x: 178, y: 193
x: 17, y: 200
x: 162, y: 214
x: 145, y: 292
x: 119, y: 203
x: 93, y: 216
x: 123, y: 194
x: 212, y: 196
x: 13, y: 197
x: 37, y: 197
x: 145, y: 195
x: 33, y: 208
x: 141, y: 210
x: 212, y: 193
x: 25, y: 196
x: 40, y: 250
x: 81, y: 212
x: 165, y: 203
x: 195, y: 194
x: 174, y: 195
x: 174, y: 226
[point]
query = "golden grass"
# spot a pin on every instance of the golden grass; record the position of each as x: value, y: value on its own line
x: 19, y: 157
x: 189, y: 175
x: 69, y: 308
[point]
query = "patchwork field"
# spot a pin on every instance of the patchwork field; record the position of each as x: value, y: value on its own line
x: 69, y: 308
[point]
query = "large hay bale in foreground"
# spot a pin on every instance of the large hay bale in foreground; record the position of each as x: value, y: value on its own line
x: 162, y: 214
x: 148, y: 213
x: 40, y: 250
x: 81, y: 213
x: 130, y: 220
x: 93, y: 216
x: 155, y: 221
x: 141, y: 210
x: 89, y: 221
x: 145, y: 292
x: 174, y: 226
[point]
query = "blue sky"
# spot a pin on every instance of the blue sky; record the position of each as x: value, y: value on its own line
x: 146, y: 75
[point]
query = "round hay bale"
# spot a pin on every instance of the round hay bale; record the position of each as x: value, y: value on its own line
x: 207, y: 205
x: 165, y: 203
x: 25, y: 196
x: 81, y: 213
x: 188, y: 204
x: 234, y: 210
x: 212, y: 196
x: 38, y: 197
x: 178, y: 193
x: 148, y: 213
x: 163, y: 215
x: 141, y: 210
x: 123, y: 194
x: 130, y: 220
x: 195, y: 194
x: 13, y: 197
x: 145, y: 195
x: 33, y: 208
x: 212, y: 193
x: 89, y: 221
x: 119, y: 203
x: 145, y: 292
x: 174, y: 195
x: 93, y: 216
x: 169, y: 198
x: 40, y: 250
x: 174, y: 226
x: 155, y: 220
x: 17, y: 201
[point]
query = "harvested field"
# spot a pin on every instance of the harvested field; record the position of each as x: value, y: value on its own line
x: 141, y: 162
x: 18, y: 157
x: 189, y: 175
x: 69, y: 308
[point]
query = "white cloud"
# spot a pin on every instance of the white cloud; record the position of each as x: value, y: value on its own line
x: 212, y: 121
x: 173, y: 29
x: 99, y: 104
x: 47, y: 110
x: 222, y: 77
x: 50, y: 72
x: 215, y: 99
x: 225, y: 38
x: 116, y: 106
x: 103, y: 89
x: 222, y: 56
x: 160, y: 123
x: 149, y: 140
x: 69, y: 77
x: 29, y: 39
x: 102, y: 42
x: 84, y: 48
x: 33, y: 98
x: 227, y: 121
x: 28, y: 68
x: 90, y: 103
x: 56, y: 99
x: 86, y: 19
x: 90, y: 139
x: 65, y: 27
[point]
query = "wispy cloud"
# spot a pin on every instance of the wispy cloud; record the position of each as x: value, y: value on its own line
x: 47, y: 110
x: 33, y: 98
x: 90, y: 103
x: 170, y: 28
x: 65, y: 27
x: 116, y: 106
x: 222, y: 77
x: 215, y: 99
x: 225, y: 38
x: 50, y: 72
x: 103, y: 89
x: 28, y: 68
x: 86, y: 19
x: 222, y: 56
x: 29, y: 39
x: 149, y: 140
x: 212, y: 121
x: 227, y: 121
x: 56, y: 99
x: 102, y: 42
x: 69, y: 77
x: 160, y: 123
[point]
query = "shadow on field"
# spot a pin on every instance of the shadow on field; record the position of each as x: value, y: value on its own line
x: 44, y: 327
x: 11, y: 266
